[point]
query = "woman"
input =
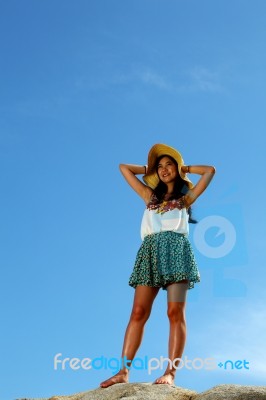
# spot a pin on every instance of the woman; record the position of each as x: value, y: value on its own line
x: 165, y: 258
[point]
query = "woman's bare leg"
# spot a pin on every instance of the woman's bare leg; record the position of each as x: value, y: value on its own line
x: 143, y: 300
x: 176, y: 296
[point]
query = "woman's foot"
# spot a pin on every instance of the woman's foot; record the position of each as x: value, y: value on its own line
x: 120, y: 377
x: 167, y: 378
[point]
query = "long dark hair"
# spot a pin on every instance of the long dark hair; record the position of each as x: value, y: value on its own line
x: 180, y: 188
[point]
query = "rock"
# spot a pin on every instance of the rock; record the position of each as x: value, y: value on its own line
x: 234, y: 392
x: 133, y: 391
x: 148, y: 391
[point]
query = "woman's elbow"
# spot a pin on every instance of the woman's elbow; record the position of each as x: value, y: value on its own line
x: 121, y: 166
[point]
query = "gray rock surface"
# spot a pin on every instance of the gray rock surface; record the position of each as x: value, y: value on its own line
x: 233, y: 392
x: 132, y: 391
x: 148, y: 391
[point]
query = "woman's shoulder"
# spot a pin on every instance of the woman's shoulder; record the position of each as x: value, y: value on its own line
x: 153, y: 199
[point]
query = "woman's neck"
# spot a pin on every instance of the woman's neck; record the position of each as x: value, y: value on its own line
x: 167, y: 196
x: 170, y: 188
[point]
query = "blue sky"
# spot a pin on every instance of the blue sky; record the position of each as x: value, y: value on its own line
x: 87, y: 85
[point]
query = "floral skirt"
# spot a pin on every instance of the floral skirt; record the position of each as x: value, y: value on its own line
x: 163, y: 258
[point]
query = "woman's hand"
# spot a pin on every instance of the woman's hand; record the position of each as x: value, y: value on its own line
x: 185, y: 169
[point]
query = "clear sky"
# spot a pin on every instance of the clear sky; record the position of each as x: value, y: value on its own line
x: 86, y: 85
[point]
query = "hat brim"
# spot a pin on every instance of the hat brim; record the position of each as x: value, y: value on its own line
x: 151, y: 178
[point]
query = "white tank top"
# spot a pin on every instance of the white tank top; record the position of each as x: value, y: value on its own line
x: 164, y: 217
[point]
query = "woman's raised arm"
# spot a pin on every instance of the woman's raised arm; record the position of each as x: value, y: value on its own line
x: 129, y: 171
x: 207, y: 172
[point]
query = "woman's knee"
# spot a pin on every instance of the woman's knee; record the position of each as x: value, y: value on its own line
x: 176, y: 312
x: 140, y: 313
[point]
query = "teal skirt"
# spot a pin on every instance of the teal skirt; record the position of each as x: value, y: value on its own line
x: 163, y: 258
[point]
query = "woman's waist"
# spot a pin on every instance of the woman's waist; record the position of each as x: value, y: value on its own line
x: 163, y: 233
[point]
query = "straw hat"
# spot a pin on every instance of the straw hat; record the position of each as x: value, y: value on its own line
x: 151, y: 178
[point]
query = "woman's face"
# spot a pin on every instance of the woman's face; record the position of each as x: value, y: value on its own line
x: 167, y: 170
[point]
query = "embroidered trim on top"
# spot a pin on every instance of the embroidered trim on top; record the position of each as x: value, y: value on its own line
x: 166, y: 205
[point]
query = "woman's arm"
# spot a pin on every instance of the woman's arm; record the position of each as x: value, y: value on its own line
x: 129, y: 171
x: 207, y: 172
